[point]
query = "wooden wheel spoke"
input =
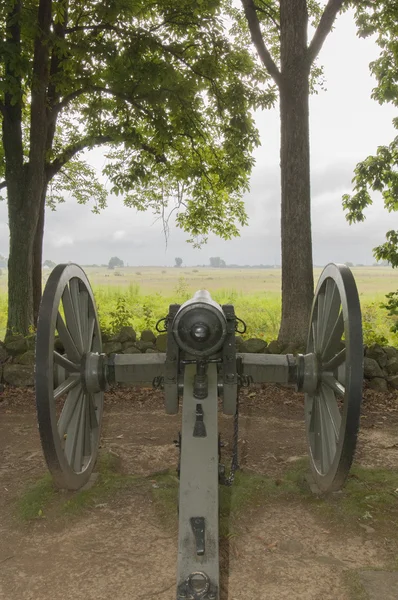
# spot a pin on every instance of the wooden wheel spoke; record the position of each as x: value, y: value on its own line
x: 319, y: 321
x: 333, y: 384
x: 90, y: 332
x: 78, y: 308
x: 314, y: 428
x: 66, y: 386
x: 72, y: 431
x: 84, y: 313
x: 332, y: 409
x: 80, y: 434
x: 313, y: 340
x: 332, y: 345
x: 67, y: 341
x: 64, y: 362
x: 331, y: 310
x: 71, y: 319
x: 87, y: 427
x: 328, y: 439
x: 68, y: 410
x: 93, y: 412
x: 335, y: 362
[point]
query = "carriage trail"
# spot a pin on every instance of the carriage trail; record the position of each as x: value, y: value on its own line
x: 121, y: 549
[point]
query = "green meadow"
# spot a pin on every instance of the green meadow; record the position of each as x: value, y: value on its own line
x: 139, y: 296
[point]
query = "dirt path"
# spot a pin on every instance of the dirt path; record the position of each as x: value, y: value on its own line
x: 121, y: 550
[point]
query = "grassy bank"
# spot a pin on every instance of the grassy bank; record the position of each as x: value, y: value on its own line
x: 141, y: 295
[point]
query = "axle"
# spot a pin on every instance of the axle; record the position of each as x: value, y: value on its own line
x: 145, y: 370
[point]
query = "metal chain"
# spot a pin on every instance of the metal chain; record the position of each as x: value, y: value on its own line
x: 235, y: 457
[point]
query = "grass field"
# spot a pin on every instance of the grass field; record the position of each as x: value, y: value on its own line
x: 141, y: 295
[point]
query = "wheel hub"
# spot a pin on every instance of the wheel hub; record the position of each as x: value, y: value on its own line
x: 93, y: 374
x: 308, y: 373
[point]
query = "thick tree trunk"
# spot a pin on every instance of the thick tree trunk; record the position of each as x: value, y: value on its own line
x: 297, y: 269
x: 38, y: 258
x: 20, y: 292
x: 25, y: 182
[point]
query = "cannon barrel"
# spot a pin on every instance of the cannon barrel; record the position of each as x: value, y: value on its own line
x: 200, y: 326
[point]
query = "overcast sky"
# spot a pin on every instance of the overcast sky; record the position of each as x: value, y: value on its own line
x: 346, y: 125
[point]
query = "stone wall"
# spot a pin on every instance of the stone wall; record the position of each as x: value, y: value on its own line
x: 17, y: 356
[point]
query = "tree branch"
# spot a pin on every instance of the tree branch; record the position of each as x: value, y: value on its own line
x: 267, y: 12
x: 70, y: 151
x: 93, y: 88
x: 324, y: 27
x: 258, y: 41
x: 3, y: 185
x: 95, y: 28
x: 89, y: 142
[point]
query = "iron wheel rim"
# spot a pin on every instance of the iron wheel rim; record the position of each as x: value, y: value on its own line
x: 70, y: 442
x: 335, y: 312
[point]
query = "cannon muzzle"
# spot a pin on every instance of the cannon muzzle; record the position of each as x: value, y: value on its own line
x: 200, y: 326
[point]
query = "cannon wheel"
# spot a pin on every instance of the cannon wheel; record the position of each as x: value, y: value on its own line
x: 332, y: 412
x: 69, y: 417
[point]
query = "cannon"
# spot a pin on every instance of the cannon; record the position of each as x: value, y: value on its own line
x: 200, y: 365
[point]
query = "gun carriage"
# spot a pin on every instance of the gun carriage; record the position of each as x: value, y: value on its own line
x: 200, y: 364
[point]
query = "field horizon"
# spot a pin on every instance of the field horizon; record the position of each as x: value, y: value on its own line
x: 144, y: 294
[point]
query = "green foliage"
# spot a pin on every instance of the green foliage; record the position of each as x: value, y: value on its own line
x: 143, y: 305
x: 372, y: 325
x: 392, y: 307
x: 178, y: 262
x: 118, y: 318
x: 379, y: 173
x: 149, y: 317
x: 162, y: 85
x: 182, y: 290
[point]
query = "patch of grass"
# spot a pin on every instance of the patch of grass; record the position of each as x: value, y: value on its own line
x: 369, y: 498
x: 164, y: 489
x: 34, y: 501
x: 43, y: 499
x: 249, y: 490
x: 354, y: 587
x: 110, y: 481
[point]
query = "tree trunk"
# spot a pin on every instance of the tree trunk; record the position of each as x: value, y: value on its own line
x: 38, y: 258
x: 20, y: 293
x: 297, y: 269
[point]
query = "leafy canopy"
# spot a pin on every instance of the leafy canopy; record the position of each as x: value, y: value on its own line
x: 379, y: 173
x: 161, y: 84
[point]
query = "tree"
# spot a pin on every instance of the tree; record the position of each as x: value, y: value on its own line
x: 278, y: 31
x: 115, y: 262
x: 217, y: 262
x: 49, y: 263
x: 178, y: 261
x: 378, y: 173
x: 159, y: 83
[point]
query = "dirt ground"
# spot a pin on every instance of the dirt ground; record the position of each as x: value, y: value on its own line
x: 121, y: 550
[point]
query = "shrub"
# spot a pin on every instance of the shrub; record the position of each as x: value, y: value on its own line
x: 392, y: 307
